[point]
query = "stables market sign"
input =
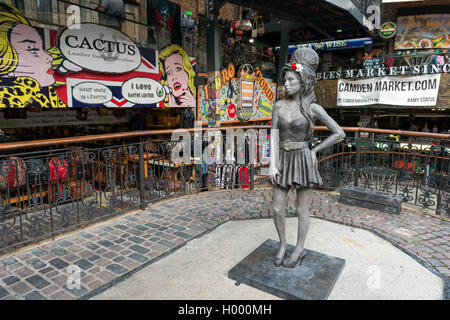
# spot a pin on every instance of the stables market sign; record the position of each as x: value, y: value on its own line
x: 383, y: 71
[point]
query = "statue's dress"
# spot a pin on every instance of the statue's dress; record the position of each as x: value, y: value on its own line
x: 295, y: 166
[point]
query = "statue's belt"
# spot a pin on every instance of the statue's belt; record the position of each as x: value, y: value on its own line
x: 289, y: 145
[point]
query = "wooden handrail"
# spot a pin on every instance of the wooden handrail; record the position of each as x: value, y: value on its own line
x: 131, y: 134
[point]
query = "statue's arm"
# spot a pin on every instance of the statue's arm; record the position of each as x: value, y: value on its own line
x: 274, y: 137
x: 337, y: 134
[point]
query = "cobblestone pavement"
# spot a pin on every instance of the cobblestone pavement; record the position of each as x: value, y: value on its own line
x: 112, y: 251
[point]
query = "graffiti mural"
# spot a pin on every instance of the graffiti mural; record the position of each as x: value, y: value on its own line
x: 230, y: 100
x: 87, y: 65
x: 177, y: 73
x: 26, y: 71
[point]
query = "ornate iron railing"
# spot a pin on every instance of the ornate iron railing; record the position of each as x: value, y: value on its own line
x: 48, y: 187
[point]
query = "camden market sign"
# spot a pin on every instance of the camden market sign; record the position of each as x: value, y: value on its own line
x: 383, y: 71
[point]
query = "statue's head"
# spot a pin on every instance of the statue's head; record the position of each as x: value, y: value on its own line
x: 303, y: 65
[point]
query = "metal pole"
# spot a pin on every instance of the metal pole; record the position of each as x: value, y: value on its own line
x: 358, y: 157
x: 141, y: 175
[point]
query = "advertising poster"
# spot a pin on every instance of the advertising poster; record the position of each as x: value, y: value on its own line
x: 87, y: 65
x: 401, y: 91
x: 423, y: 32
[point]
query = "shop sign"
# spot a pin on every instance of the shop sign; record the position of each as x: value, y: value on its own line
x: 226, y: 74
x: 388, y: 30
x: 60, y: 118
x: 268, y: 93
x: 98, y: 48
x: 383, y: 71
x: 423, y: 31
x: 402, y: 91
x: 330, y: 45
x: 247, y: 92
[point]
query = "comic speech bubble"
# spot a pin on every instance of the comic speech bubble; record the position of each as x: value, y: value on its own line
x: 92, y: 93
x: 141, y: 90
x: 99, y: 48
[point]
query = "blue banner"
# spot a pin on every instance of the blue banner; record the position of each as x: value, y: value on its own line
x: 330, y: 45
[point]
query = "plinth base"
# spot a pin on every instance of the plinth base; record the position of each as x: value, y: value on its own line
x: 313, y: 279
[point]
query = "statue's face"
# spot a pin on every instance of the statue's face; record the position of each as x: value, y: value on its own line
x: 292, y: 83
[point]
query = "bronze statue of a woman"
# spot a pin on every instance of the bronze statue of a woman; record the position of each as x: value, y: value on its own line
x: 293, y: 164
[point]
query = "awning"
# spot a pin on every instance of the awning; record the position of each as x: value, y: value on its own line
x: 323, y: 19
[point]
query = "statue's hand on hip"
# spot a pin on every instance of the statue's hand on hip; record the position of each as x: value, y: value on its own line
x: 274, y: 174
x: 314, y: 158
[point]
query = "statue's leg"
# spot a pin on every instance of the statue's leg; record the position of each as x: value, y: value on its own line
x: 279, y: 200
x: 304, y: 197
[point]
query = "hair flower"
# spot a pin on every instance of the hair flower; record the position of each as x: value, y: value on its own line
x: 296, y: 67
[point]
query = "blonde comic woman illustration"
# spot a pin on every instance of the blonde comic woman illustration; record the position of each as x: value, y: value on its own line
x: 177, y: 73
x: 26, y: 73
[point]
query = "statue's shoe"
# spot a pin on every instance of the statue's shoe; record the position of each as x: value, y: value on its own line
x: 292, y: 263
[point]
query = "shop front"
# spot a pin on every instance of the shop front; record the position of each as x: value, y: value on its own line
x: 87, y: 79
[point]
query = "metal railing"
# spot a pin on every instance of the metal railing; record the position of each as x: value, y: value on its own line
x: 49, y: 187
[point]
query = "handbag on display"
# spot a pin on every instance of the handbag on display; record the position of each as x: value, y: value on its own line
x: 254, y: 28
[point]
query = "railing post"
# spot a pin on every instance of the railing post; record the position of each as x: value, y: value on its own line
x: 141, y: 175
x: 358, y: 157
x: 252, y: 176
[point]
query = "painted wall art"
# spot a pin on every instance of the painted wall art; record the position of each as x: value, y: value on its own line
x: 87, y: 65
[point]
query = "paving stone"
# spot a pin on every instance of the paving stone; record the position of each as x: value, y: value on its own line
x: 36, y: 263
x: 105, y: 243
x: 39, y: 252
x: 37, y: 281
x: 130, y: 264
x: 154, y: 239
x: 183, y: 235
x: 71, y: 257
x: 24, y: 272
x: 64, y: 243
x: 61, y: 295
x: 117, y: 269
x: 61, y: 279
x: 136, y: 239
x: 3, y: 292
x: 94, y: 284
x: 177, y: 227
x: 138, y: 257
x: 139, y: 249
x: 58, y: 263
x: 152, y: 225
x: 20, y: 287
x: 106, y: 276
x: 59, y: 252
x: 118, y: 259
x: 141, y: 228
x: 76, y: 291
x: 8, y: 261
x: 121, y: 227
x: 167, y: 243
x: 119, y: 241
x: 91, y: 245
x: 84, y: 264
x: 86, y: 235
x: 109, y: 255
x: 10, y: 280
x: 93, y: 258
x: 183, y: 218
x: 34, y: 295
x: 49, y: 290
